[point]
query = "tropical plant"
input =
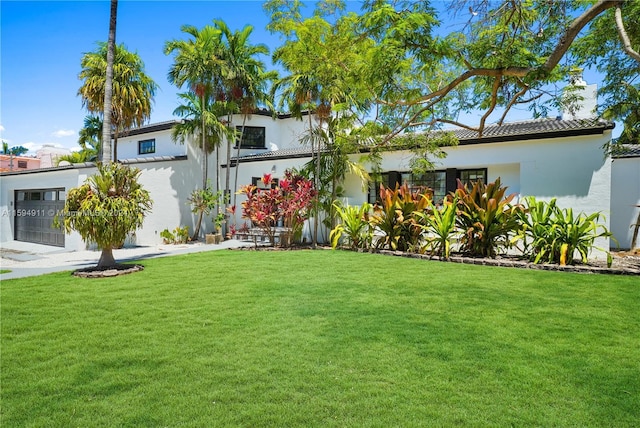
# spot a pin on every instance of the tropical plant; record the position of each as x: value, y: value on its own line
x: 106, y: 208
x: 439, y: 225
x: 486, y: 217
x: 89, y: 142
x: 354, y: 227
x: 15, y: 151
x: 203, y: 202
x: 180, y: 235
x: 196, y: 118
x: 132, y: 96
x: 290, y: 202
x: 245, y: 78
x: 197, y: 64
x: 395, y: 218
x: 552, y: 235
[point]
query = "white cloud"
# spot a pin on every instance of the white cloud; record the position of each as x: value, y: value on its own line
x: 1, y: 128
x: 60, y: 133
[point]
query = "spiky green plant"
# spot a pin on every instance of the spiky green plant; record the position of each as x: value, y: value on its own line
x: 354, y: 226
x: 486, y: 218
x: 439, y: 223
x: 395, y: 220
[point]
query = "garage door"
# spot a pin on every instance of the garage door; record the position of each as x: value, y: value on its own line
x: 35, y: 210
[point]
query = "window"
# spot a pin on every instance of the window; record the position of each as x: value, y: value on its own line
x: 257, y: 181
x: 436, y: 181
x: 22, y: 164
x: 470, y: 176
x: 253, y: 137
x: 146, y: 147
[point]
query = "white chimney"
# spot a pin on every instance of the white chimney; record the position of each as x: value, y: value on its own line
x: 580, y: 99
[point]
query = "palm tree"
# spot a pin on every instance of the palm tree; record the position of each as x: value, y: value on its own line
x: 89, y: 142
x: 197, y: 63
x: 108, y: 85
x: 196, y: 115
x: 245, y: 78
x: 132, y: 96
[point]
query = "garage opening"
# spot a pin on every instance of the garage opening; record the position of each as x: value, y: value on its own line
x: 35, y: 210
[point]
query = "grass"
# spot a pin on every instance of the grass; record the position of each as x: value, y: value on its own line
x: 5, y: 271
x: 320, y: 338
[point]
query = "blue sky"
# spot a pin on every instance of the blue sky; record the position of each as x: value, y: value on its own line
x: 42, y: 43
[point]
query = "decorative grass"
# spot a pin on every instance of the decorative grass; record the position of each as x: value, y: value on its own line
x: 320, y: 339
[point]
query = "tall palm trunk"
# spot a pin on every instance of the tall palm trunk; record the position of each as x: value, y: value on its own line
x: 108, y: 87
x: 244, y: 121
x: 314, y: 239
x: 205, y: 158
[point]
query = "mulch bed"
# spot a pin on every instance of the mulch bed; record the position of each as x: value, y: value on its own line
x: 107, y: 272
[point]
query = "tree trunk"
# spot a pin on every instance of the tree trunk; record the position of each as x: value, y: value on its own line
x: 314, y: 238
x: 205, y: 158
x: 198, y: 224
x: 107, y: 155
x: 227, y: 190
x: 244, y: 121
x: 106, y: 258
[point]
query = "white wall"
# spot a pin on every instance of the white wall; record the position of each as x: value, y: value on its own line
x: 64, y: 178
x: 625, y: 196
x: 128, y: 146
x: 284, y: 133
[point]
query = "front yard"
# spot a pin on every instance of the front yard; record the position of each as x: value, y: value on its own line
x: 320, y: 338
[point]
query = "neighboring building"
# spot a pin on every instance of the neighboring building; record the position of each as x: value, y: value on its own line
x: 49, y: 155
x: 18, y: 163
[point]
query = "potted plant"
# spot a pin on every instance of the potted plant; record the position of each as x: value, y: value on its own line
x: 218, y: 220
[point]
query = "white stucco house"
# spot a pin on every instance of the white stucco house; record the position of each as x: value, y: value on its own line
x: 547, y: 158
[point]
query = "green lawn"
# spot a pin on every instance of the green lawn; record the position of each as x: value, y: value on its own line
x: 320, y: 338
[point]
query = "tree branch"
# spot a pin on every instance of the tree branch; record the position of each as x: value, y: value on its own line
x: 624, y: 37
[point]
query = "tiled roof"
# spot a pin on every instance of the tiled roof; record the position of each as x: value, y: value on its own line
x: 534, y: 129
x: 301, y: 152
x: 625, y: 151
x: 513, y: 131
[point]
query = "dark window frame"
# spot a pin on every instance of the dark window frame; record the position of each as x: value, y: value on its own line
x: 143, y: 150
x: 254, y: 137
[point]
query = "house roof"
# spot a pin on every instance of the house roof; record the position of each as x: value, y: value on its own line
x: 625, y: 151
x: 534, y: 130
x: 93, y: 164
x: 152, y: 127
x: 508, y: 132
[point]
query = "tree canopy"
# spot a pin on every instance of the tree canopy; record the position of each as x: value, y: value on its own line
x: 410, y: 66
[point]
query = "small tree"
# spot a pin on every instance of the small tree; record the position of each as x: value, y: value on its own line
x: 106, y: 208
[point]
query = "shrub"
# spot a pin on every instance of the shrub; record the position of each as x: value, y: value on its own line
x: 552, y: 235
x: 290, y: 201
x: 394, y: 218
x: 354, y: 226
x: 439, y: 223
x: 486, y: 217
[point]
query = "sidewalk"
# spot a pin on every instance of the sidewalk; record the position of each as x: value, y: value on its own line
x: 25, y: 259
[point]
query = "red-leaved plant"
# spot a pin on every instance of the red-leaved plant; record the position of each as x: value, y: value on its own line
x: 290, y: 200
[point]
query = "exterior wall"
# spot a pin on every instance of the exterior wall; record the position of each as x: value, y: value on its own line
x: 64, y: 178
x: 128, y: 146
x: 169, y: 182
x: 625, y: 196
x: 283, y: 133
